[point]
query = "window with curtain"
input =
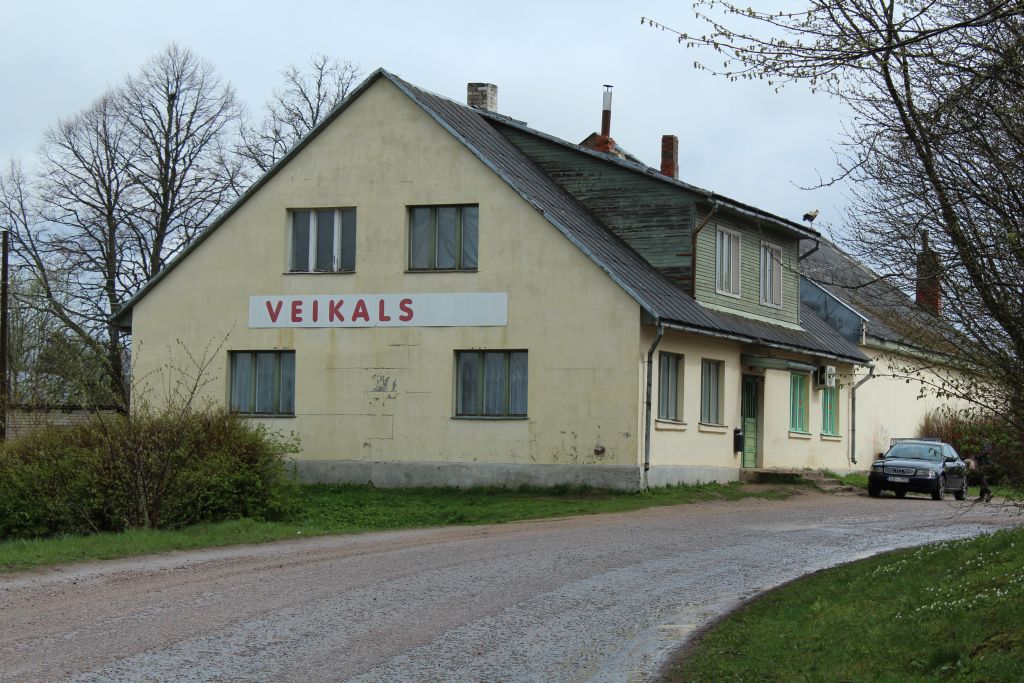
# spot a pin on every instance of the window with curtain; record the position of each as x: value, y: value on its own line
x: 771, y: 275
x: 670, y: 387
x: 443, y: 237
x: 491, y: 383
x: 710, y: 392
x: 323, y: 241
x: 262, y: 382
x: 727, y: 263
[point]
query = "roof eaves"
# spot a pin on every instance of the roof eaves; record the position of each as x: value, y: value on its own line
x: 720, y: 334
x: 122, y: 317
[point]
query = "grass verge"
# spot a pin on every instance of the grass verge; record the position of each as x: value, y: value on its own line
x: 341, y: 509
x: 951, y: 611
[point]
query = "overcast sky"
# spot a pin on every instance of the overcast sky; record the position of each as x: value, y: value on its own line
x: 549, y: 60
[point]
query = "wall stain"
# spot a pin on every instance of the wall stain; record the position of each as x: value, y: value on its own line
x: 384, y: 384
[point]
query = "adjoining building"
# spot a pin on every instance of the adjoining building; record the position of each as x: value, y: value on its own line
x: 426, y: 292
x: 904, y: 338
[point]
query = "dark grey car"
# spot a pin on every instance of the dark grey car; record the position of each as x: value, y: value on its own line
x: 921, y: 466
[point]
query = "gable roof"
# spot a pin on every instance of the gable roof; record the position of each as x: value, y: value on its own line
x: 644, y: 283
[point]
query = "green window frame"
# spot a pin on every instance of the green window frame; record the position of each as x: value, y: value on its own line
x: 830, y: 411
x: 491, y: 384
x: 711, y: 392
x: 798, y: 396
x: 444, y: 238
x: 322, y: 241
x: 670, y: 386
x: 261, y: 382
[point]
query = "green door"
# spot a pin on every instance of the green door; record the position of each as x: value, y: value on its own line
x: 748, y: 411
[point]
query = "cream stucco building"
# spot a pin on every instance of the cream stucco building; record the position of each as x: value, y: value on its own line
x: 426, y: 292
x: 909, y: 374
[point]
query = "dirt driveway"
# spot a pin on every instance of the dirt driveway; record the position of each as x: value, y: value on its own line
x: 599, y: 598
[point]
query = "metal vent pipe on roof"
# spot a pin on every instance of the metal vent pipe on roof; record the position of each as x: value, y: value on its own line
x: 606, y: 111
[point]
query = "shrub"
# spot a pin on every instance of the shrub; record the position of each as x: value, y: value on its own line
x: 148, y: 469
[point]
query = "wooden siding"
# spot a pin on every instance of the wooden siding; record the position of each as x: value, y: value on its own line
x: 750, y: 272
x: 652, y: 217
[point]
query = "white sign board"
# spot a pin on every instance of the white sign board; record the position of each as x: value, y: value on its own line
x: 379, y: 310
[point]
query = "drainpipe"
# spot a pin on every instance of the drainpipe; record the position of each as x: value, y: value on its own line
x: 647, y: 402
x: 853, y: 414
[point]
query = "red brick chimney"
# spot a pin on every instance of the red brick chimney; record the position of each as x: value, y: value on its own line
x: 670, y: 156
x: 929, y: 286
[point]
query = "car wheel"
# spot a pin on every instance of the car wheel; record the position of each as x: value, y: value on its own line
x: 940, y: 491
x: 962, y: 493
x: 900, y: 493
x: 874, y: 491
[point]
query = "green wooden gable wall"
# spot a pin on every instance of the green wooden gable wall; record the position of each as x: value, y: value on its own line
x: 652, y: 217
x: 750, y: 271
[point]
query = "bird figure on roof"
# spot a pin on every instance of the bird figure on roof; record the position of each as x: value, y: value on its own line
x: 810, y: 216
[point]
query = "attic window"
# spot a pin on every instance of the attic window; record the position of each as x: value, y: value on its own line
x: 443, y: 237
x: 322, y: 241
x: 771, y: 275
x: 727, y: 263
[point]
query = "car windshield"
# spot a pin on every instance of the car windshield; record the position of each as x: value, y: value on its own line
x: 914, y: 451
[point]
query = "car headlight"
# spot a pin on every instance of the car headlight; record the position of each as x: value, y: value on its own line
x: 929, y: 474
x: 877, y: 468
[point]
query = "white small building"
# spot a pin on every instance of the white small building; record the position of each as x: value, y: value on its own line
x: 427, y: 293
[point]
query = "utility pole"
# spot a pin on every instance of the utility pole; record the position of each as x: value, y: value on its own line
x: 5, y: 386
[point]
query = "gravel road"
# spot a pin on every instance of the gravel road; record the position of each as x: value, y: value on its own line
x: 597, y: 598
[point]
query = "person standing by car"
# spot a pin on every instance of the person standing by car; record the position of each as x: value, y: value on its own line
x: 978, y: 466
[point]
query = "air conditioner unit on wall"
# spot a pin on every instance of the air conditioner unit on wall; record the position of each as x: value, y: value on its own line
x: 825, y: 376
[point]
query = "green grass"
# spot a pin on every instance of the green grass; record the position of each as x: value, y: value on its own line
x: 342, y: 509
x: 952, y: 612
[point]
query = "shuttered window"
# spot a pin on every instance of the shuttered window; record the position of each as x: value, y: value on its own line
x: 710, y: 392
x: 491, y: 383
x: 829, y: 411
x: 798, y: 395
x: 670, y: 387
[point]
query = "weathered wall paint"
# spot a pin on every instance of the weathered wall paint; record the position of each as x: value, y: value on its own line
x: 750, y: 271
x: 651, y: 216
x: 785, y: 449
x: 693, y: 444
x: 386, y: 394
x: 690, y: 443
x: 894, y: 402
